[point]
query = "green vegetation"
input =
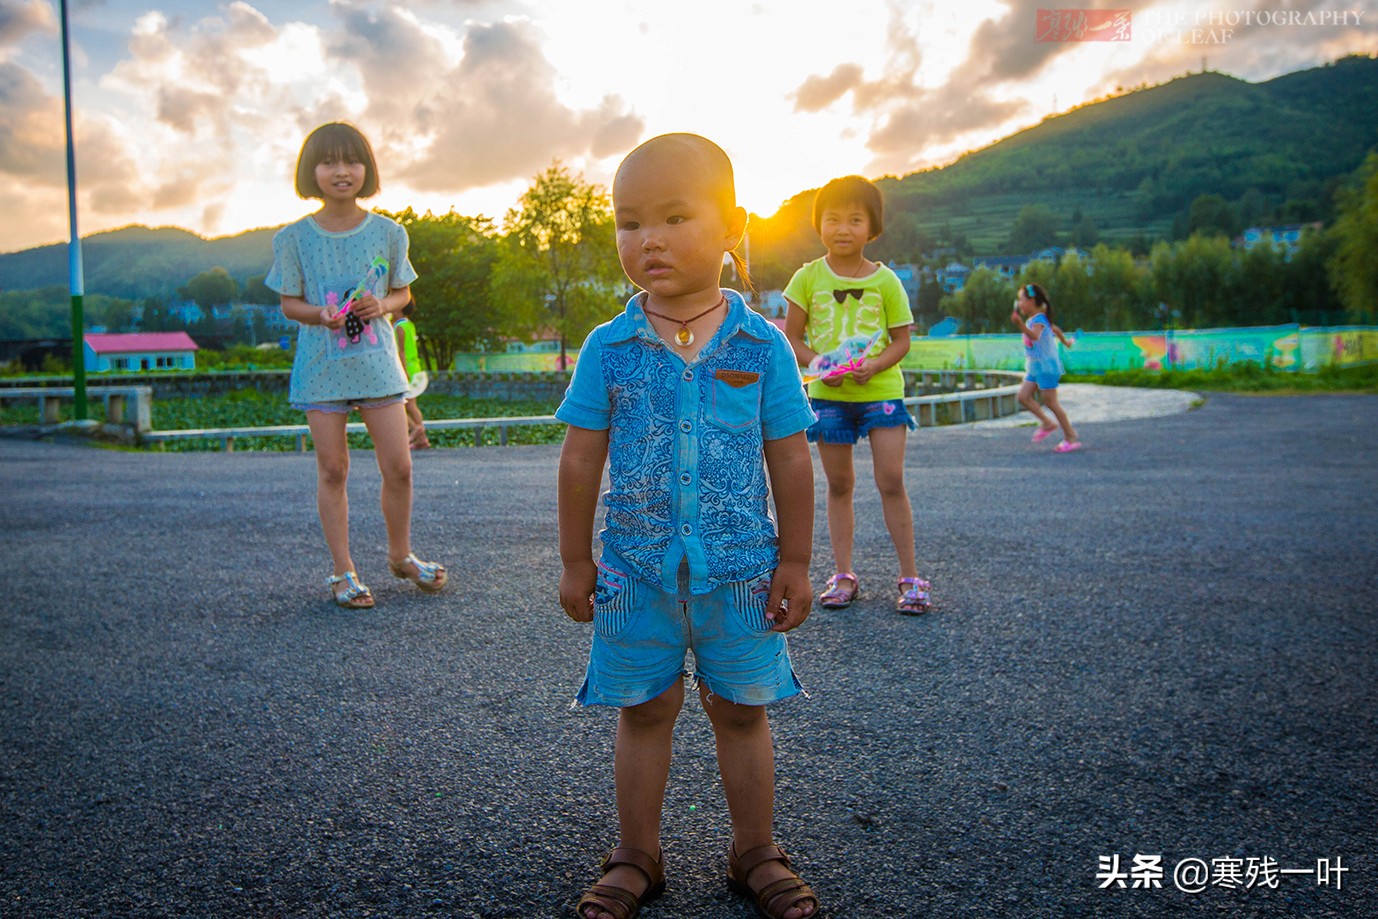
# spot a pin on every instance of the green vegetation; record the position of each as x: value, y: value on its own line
x: 1244, y: 378
x: 251, y: 408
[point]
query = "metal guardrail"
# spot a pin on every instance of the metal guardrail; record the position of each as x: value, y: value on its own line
x: 966, y: 396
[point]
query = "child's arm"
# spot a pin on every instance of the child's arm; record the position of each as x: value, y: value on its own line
x: 582, y: 458
x: 1030, y: 332
x: 791, y: 482
x: 1060, y: 337
x: 892, y: 355
x: 298, y: 310
x: 796, y: 323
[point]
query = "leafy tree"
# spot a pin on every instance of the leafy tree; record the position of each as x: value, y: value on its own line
x: 1197, y: 279
x: 454, y: 257
x: 1085, y: 233
x: 984, y: 302
x: 559, y: 265
x: 1034, y: 228
x: 1212, y: 214
x: 255, y: 291
x: 1354, y: 268
x: 211, y: 288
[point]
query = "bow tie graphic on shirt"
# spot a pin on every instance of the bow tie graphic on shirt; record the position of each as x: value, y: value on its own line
x: 840, y: 295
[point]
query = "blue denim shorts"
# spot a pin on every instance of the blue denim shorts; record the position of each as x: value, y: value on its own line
x: 1043, y: 380
x: 847, y: 422
x: 641, y: 636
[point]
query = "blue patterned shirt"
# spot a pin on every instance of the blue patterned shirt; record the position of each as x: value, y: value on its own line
x: 686, y: 460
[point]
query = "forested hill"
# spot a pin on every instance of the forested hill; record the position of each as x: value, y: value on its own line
x: 137, y: 262
x: 1133, y: 163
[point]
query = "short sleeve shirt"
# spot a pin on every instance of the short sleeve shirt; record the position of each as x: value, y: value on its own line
x: 322, y: 268
x: 839, y: 308
x: 686, y: 461
x: 1041, y: 356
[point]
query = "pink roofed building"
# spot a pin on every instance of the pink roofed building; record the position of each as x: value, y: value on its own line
x: 139, y: 351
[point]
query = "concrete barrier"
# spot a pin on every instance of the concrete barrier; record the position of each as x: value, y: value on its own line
x: 126, y: 407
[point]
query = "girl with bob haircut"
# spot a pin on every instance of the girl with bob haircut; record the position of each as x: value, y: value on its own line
x: 342, y: 273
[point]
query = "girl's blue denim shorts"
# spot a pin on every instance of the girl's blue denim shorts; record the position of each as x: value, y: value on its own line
x: 642, y: 634
x: 847, y: 422
x: 1043, y: 380
x: 342, y: 407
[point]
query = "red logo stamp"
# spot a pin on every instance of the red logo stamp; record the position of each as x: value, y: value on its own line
x: 1082, y: 25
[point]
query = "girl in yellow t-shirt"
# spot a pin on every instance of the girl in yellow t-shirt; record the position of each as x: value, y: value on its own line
x: 843, y: 296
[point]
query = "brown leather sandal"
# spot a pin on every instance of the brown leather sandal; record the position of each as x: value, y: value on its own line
x: 618, y: 902
x: 775, y: 898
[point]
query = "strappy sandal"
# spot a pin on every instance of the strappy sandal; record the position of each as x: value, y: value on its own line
x: 775, y: 898
x: 429, y: 576
x: 356, y: 594
x: 838, y: 597
x: 914, y: 597
x: 620, y: 903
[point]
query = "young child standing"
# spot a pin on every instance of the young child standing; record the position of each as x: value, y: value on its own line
x: 839, y: 296
x: 410, y: 357
x: 694, y: 403
x: 1044, y: 366
x: 340, y: 256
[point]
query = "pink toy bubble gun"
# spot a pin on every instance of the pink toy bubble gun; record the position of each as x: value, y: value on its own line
x: 843, y: 359
x: 355, y: 327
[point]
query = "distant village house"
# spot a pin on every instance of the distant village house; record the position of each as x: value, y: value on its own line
x: 106, y: 352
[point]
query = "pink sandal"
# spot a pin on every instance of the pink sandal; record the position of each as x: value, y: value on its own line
x: 1067, y: 446
x: 837, y: 596
x: 915, y: 599
x: 1042, y: 434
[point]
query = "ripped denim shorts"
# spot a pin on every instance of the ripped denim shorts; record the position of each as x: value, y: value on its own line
x: 642, y: 634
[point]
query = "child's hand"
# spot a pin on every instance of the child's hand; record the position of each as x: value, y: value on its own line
x: 833, y: 381
x: 367, y: 307
x: 330, y: 320
x: 577, y: 584
x: 790, y: 597
x: 1014, y: 317
x: 864, y: 371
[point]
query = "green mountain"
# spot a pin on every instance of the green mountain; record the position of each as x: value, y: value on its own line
x: 137, y: 262
x: 1133, y: 163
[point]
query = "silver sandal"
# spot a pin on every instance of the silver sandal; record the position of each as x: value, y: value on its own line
x: 356, y: 594
x: 430, y: 576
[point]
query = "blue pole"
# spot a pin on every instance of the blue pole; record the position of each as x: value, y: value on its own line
x: 75, y: 280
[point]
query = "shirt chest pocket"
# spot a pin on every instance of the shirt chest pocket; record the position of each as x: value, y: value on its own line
x: 734, y: 400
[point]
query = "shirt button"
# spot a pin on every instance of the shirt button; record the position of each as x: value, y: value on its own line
x: 685, y: 426
x: 685, y: 479
x: 686, y: 529
x: 688, y: 374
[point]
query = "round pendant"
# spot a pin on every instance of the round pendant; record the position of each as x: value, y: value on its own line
x: 684, y: 337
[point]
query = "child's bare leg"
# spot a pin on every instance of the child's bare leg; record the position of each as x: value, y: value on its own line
x: 1026, y: 399
x: 746, y: 761
x: 332, y: 476
x: 887, y: 457
x: 388, y: 428
x: 641, y: 765
x: 837, y: 466
x: 1051, y: 400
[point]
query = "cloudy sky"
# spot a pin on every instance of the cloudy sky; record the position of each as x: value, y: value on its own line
x: 191, y: 113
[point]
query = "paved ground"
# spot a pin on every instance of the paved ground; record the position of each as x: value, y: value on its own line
x: 1162, y: 645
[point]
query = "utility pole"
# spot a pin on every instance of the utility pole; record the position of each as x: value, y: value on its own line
x: 75, y: 280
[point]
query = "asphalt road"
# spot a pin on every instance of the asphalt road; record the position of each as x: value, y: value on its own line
x: 1164, y: 645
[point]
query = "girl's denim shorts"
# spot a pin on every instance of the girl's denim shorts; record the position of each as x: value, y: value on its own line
x: 343, y: 406
x: 847, y: 422
x: 1043, y: 380
x: 642, y: 634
